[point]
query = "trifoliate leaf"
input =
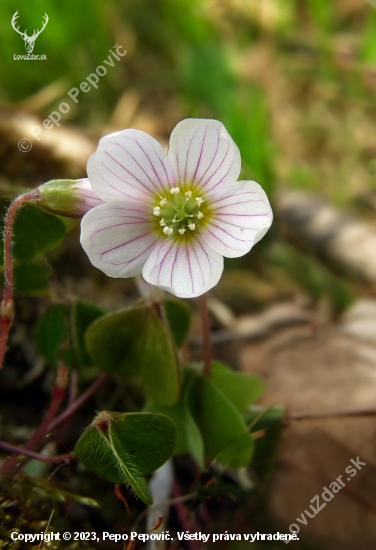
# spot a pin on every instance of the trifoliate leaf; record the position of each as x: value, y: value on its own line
x: 189, y: 438
x: 35, y: 232
x: 238, y: 453
x: 52, y: 334
x: 219, y: 421
x: 269, y: 422
x: 179, y: 319
x: 124, y: 448
x: 83, y: 314
x: 32, y: 278
x: 242, y: 389
x: 136, y: 341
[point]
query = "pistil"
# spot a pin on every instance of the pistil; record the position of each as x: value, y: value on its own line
x: 179, y: 212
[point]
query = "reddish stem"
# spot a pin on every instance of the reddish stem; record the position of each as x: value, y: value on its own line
x: 58, y: 394
x: 73, y: 384
x: 37, y: 456
x: 77, y: 404
x: 182, y: 514
x: 205, y: 319
x: 7, y: 305
x: 53, y: 424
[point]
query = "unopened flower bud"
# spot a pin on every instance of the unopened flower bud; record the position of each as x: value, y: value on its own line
x: 71, y: 198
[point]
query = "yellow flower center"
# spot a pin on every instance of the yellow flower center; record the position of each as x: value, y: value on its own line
x: 180, y: 212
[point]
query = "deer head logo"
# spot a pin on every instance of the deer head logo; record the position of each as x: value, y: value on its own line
x: 29, y: 40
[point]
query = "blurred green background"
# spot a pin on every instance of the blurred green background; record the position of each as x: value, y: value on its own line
x: 293, y: 80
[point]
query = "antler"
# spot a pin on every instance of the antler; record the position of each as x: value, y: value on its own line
x: 15, y: 16
x: 44, y: 24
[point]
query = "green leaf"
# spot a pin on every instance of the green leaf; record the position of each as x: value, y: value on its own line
x: 179, y: 319
x: 83, y: 314
x: 35, y: 232
x: 136, y: 341
x: 219, y: 421
x: 124, y: 448
x: 31, y: 278
x: 52, y: 334
x: 238, y: 453
x: 242, y: 389
x: 189, y: 438
x: 271, y: 421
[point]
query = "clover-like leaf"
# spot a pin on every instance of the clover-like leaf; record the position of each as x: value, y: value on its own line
x: 83, y: 315
x: 241, y: 388
x: 269, y: 422
x: 124, y: 448
x: 179, y: 319
x: 136, y: 341
x: 238, y: 453
x: 35, y: 232
x: 32, y: 278
x: 52, y: 334
x: 189, y: 438
x: 219, y: 421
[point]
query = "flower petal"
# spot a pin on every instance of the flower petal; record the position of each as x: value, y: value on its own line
x: 202, y: 151
x: 184, y: 269
x: 129, y: 165
x: 240, y: 220
x: 118, y: 238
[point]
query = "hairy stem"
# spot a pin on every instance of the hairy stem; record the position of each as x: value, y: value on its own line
x: 7, y: 305
x: 205, y: 320
x: 31, y: 454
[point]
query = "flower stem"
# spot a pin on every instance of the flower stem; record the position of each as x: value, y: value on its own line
x: 31, y: 454
x: 205, y: 319
x: 7, y: 305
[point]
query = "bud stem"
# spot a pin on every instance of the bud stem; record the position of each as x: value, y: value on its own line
x: 7, y: 305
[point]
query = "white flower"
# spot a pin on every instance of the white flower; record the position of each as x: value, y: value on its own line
x: 172, y: 217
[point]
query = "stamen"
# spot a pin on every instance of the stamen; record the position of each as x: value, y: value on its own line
x: 179, y: 214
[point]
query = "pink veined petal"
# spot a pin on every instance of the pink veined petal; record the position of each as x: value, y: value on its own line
x: 88, y: 198
x: 118, y: 238
x: 129, y: 166
x: 202, y: 151
x: 240, y: 220
x: 185, y: 269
